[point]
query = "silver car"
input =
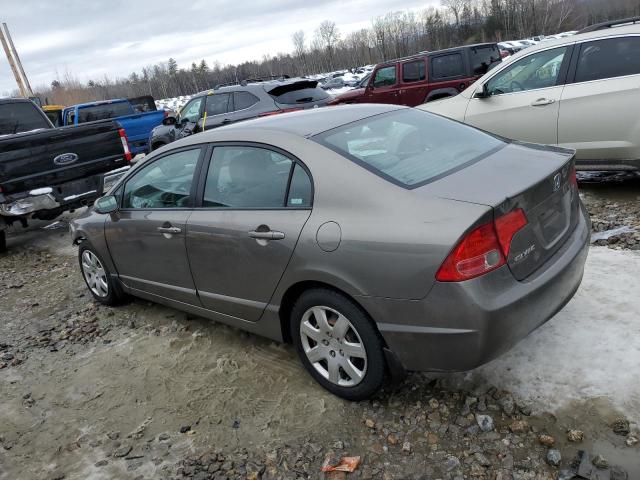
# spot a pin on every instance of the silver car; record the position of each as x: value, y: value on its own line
x: 375, y: 238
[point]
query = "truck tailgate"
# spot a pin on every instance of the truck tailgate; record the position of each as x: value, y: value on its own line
x: 53, y: 156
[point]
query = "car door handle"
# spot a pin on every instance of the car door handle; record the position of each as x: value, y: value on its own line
x: 542, y: 101
x: 267, y: 235
x: 169, y: 229
x: 226, y: 120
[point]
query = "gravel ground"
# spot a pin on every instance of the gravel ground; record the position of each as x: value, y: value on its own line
x: 147, y: 392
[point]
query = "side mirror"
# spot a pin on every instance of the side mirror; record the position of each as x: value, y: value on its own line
x: 484, y: 93
x: 170, y: 120
x: 107, y: 204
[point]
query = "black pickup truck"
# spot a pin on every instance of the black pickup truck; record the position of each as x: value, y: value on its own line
x: 45, y: 170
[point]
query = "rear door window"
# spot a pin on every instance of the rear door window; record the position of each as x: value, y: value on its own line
x: 104, y: 111
x: 20, y: 117
x: 385, y: 77
x: 447, y: 66
x: 242, y: 100
x: 608, y: 58
x: 409, y: 147
x: 247, y: 177
x: 483, y: 57
x: 217, y: 103
x: 414, y: 71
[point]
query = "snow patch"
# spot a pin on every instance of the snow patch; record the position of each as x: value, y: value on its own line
x: 607, y: 234
x: 589, y: 349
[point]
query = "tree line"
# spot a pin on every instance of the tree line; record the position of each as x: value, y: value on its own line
x: 396, y: 34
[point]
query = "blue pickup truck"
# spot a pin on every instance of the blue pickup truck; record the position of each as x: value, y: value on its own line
x: 136, y: 121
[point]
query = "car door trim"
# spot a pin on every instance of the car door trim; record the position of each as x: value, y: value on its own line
x: 188, y: 291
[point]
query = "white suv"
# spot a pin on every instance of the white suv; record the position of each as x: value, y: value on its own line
x: 580, y: 92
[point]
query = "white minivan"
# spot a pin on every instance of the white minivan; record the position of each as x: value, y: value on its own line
x: 580, y: 92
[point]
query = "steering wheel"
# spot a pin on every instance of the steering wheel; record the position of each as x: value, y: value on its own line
x: 516, y: 84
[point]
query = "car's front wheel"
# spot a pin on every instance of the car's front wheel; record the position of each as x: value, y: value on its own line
x: 338, y: 344
x: 102, y: 286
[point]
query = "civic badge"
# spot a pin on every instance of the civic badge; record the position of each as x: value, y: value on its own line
x: 557, y: 179
x: 65, y: 159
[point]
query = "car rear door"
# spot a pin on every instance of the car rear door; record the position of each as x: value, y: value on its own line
x: 413, y: 87
x: 384, y: 85
x: 146, y: 236
x: 524, y: 98
x: 253, y: 204
x: 447, y: 74
x: 599, y: 105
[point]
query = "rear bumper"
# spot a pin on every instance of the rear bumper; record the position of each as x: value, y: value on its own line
x: 460, y: 326
x: 63, y: 196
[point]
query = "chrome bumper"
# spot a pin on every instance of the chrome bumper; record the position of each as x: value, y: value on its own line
x: 44, y: 199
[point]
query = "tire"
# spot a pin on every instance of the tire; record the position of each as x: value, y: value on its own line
x: 101, y: 285
x: 329, y: 327
x: 3, y: 241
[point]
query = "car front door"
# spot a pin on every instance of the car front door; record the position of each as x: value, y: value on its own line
x: 216, y: 110
x: 254, y: 204
x: 524, y: 98
x: 383, y: 87
x: 146, y: 236
x: 599, y: 104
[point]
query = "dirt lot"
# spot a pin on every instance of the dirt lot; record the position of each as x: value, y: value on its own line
x: 144, y: 391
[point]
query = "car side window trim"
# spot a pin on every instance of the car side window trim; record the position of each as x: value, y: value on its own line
x: 562, y: 78
x: 143, y: 167
x: 566, y: 66
x: 204, y: 169
x: 573, y: 69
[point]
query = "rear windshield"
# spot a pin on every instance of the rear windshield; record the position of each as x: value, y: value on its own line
x: 299, y: 92
x: 104, y: 111
x: 20, y: 117
x: 409, y: 147
x: 483, y: 57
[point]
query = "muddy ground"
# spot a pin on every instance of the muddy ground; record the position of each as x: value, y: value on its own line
x: 147, y: 392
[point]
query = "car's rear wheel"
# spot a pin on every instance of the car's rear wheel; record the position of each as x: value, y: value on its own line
x: 338, y: 344
x: 103, y: 288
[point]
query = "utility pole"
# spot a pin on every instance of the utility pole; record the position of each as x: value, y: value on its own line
x: 14, y: 62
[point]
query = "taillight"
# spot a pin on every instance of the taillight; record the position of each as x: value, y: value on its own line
x: 125, y: 144
x: 276, y: 112
x: 507, y: 226
x: 483, y: 249
x: 267, y: 114
x: 573, y: 177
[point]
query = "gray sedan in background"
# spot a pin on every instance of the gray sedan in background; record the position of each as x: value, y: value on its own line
x: 375, y: 238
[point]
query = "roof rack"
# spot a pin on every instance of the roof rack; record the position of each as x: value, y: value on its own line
x: 609, y: 24
x: 252, y: 80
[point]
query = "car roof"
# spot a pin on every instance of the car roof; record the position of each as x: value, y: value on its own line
x: 581, y: 37
x: 98, y: 102
x: 306, y: 123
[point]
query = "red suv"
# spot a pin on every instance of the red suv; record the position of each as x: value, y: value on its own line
x: 424, y: 77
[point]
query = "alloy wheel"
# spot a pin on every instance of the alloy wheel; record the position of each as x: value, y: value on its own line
x: 333, y: 346
x: 95, y: 274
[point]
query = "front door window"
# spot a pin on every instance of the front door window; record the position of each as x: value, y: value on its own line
x: 539, y: 70
x: 165, y: 183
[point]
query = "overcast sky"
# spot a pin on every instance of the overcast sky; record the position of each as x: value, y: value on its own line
x: 91, y: 38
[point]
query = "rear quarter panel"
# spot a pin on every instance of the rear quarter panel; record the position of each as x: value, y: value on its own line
x: 392, y: 240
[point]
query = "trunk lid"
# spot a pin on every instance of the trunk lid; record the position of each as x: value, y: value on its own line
x: 534, y: 178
